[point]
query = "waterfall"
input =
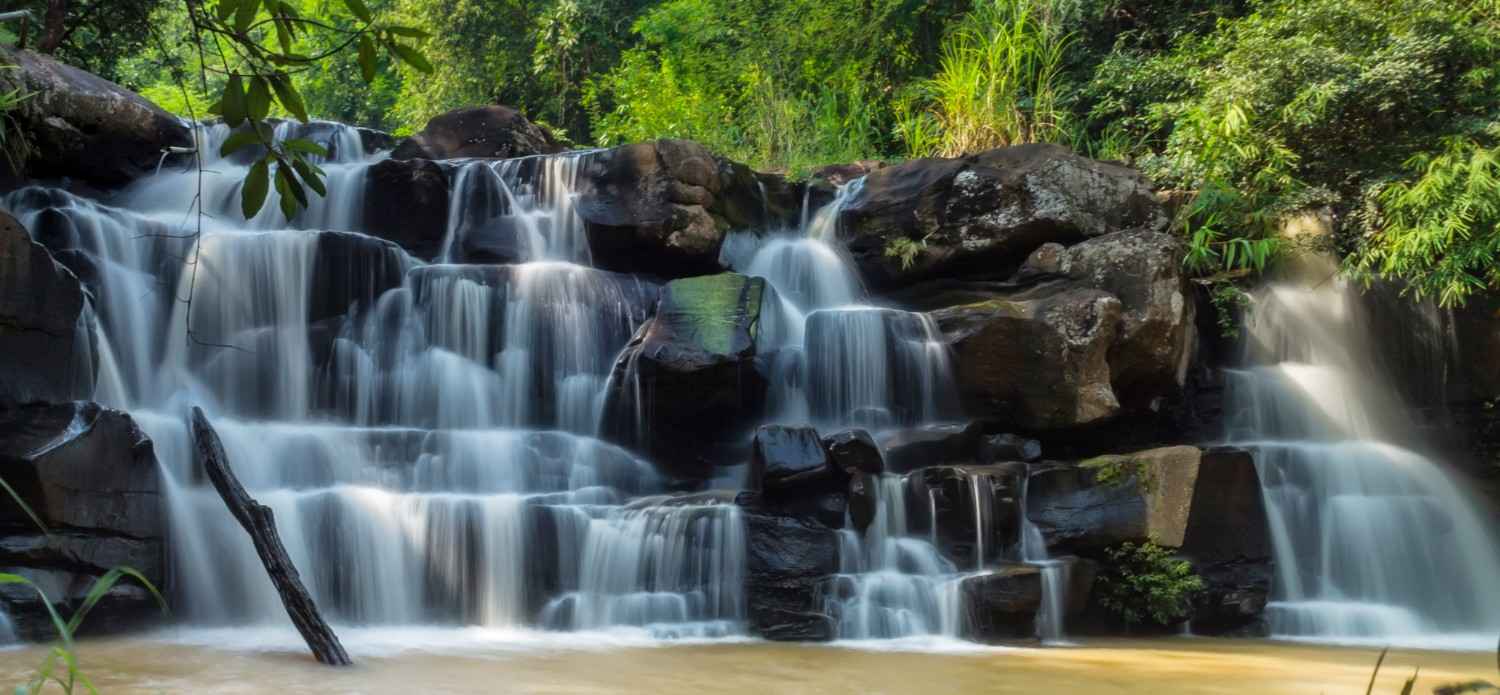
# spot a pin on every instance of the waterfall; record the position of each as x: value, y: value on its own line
x: 424, y: 433
x: 890, y: 583
x: 1373, y: 541
x: 838, y: 360
x: 1052, y: 618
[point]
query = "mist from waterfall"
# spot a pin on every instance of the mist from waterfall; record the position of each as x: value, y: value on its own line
x: 1374, y: 542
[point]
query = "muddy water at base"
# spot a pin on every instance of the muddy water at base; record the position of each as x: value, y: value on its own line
x: 1171, y: 665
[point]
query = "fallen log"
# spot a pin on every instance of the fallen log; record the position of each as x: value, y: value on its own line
x: 258, y: 521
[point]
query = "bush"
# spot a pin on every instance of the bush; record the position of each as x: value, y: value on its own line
x: 1145, y: 582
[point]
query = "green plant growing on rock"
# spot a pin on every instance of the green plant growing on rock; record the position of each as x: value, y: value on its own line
x: 1143, y: 582
x: 905, y: 250
x: 1118, y: 471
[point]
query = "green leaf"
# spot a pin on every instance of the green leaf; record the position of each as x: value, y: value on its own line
x: 227, y: 9
x: 310, y: 177
x: 304, y: 146
x: 24, y: 507
x: 411, y: 57
x: 412, y: 32
x: 288, y: 203
x: 284, y: 175
x: 232, y: 104
x: 244, y: 15
x: 57, y: 622
x: 358, y: 9
x: 366, y: 57
x: 288, y: 96
x: 237, y: 141
x: 102, y: 585
x: 257, y: 184
x: 284, y: 34
x: 258, y: 102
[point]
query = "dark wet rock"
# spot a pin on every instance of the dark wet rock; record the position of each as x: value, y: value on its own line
x: 352, y: 270
x: 931, y: 445
x: 1009, y: 447
x: 864, y: 499
x: 1038, y: 359
x: 1149, y: 356
x: 1227, y: 537
x: 787, y: 561
x: 45, y: 323
x: 981, y: 215
x: 406, y: 201
x: 785, y: 460
x: 478, y: 131
x: 1001, y: 604
x: 854, y: 451
x: 688, y: 378
x: 664, y: 207
x: 82, y: 126
x: 91, y: 475
x: 965, y: 502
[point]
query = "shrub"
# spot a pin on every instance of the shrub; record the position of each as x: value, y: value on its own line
x: 1144, y: 582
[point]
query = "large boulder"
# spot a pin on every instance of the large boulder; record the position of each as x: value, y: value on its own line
x: 853, y: 451
x: 788, y: 561
x: 1207, y: 503
x: 45, y: 323
x: 92, y: 477
x: 981, y: 215
x: 688, y: 379
x: 785, y: 459
x: 1001, y: 604
x: 477, y: 131
x: 79, y: 125
x: 1143, y: 269
x: 406, y: 201
x: 664, y: 207
x: 1037, y: 359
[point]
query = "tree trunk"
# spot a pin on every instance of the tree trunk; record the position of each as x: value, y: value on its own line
x: 53, y: 29
x: 261, y: 525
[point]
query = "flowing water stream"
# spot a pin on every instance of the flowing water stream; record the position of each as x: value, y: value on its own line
x: 1373, y: 541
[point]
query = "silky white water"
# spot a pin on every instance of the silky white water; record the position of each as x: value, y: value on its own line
x: 422, y: 432
x: 1374, y: 542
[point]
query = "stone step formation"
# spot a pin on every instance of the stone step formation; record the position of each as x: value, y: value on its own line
x: 638, y: 390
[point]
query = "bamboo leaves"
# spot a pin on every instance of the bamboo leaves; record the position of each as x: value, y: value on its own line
x: 257, y: 43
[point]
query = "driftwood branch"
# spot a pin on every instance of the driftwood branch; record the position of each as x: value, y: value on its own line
x: 261, y: 525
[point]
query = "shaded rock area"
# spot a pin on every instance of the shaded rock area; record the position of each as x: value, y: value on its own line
x: 1001, y: 604
x: 478, y: 131
x: 958, y: 505
x: 91, y: 475
x: 980, y: 216
x: 788, y: 561
x: 1039, y: 359
x: 79, y: 125
x: 664, y: 207
x: 46, y: 326
x: 406, y: 201
x: 688, y: 378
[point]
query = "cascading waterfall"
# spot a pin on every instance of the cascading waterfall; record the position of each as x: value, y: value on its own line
x: 1373, y: 541
x: 423, y: 433
x: 1051, y: 619
x: 835, y: 359
x: 892, y: 584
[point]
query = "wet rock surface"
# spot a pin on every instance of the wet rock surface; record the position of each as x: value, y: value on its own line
x: 45, y: 323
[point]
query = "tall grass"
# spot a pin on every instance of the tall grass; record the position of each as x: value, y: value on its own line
x: 998, y: 83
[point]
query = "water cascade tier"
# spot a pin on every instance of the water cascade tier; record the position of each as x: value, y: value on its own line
x: 1374, y: 542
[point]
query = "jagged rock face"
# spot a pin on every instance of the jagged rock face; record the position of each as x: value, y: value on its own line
x: 478, y: 131
x: 1150, y: 354
x: 1001, y: 604
x: 664, y: 207
x: 981, y: 215
x: 787, y: 561
x: 688, y: 378
x: 406, y: 201
x: 45, y: 325
x: 92, y: 477
x: 1037, y: 360
x: 82, y: 126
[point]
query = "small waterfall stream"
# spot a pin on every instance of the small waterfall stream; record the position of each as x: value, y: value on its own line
x: 1374, y: 542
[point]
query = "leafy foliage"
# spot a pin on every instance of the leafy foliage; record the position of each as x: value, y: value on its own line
x: 1144, y: 582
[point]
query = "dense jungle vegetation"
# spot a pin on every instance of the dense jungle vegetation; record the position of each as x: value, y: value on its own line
x: 1385, y: 112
